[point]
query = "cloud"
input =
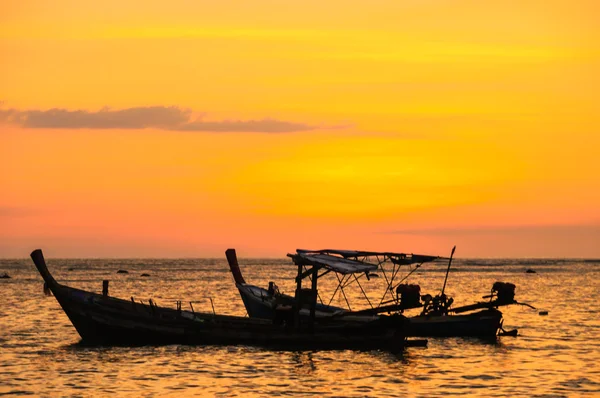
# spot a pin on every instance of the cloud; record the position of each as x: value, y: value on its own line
x: 264, y: 125
x: 160, y: 117
x: 131, y: 118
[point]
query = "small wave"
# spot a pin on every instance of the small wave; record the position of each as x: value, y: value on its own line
x: 463, y: 386
x: 579, y: 382
x: 480, y: 377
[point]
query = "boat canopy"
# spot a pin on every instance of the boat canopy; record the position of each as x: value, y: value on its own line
x: 354, y: 261
x: 397, y: 258
x: 350, y: 265
x: 334, y: 263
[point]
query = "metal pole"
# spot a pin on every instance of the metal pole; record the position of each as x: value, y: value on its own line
x: 298, y: 297
x: 313, y: 299
x: 448, y: 270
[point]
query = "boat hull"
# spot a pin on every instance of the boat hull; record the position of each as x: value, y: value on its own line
x: 484, y: 323
x: 259, y: 304
x: 108, y: 320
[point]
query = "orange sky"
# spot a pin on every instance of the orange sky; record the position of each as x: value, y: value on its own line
x: 180, y: 128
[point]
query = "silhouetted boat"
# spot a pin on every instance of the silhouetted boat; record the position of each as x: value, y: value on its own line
x: 437, y: 318
x: 101, y: 319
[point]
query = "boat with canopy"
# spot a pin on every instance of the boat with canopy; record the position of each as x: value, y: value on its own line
x: 437, y: 317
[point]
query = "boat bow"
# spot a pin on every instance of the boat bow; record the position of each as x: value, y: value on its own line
x: 38, y: 259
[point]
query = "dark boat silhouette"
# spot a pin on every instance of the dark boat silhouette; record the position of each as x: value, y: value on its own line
x: 101, y: 319
x: 438, y: 318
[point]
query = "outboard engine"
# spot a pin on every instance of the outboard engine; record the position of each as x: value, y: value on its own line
x: 409, y: 295
x: 504, y: 292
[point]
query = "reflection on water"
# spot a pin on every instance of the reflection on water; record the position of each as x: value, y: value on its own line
x: 555, y: 355
x: 304, y: 362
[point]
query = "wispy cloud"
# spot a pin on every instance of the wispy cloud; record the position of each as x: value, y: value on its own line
x: 263, y: 125
x: 131, y: 118
x: 160, y: 117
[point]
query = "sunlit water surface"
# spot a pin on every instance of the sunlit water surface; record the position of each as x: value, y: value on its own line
x: 555, y: 355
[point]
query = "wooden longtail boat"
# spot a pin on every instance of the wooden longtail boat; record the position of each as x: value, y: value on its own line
x: 437, y: 318
x: 101, y: 319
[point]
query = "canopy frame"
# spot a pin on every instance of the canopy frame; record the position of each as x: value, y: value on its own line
x: 345, y: 264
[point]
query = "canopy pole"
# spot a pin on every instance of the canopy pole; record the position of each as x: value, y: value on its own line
x: 315, y: 293
x: 343, y: 293
x: 334, y: 292
x: 310, y: 276
x: 388, y: 287
x: 448, y: 270
x: 298, y: 297
x: 362, y: 290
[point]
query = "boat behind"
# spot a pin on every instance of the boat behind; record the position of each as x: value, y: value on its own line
x: 260, y: 303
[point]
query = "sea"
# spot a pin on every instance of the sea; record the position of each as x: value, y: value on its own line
x: 554, y: 355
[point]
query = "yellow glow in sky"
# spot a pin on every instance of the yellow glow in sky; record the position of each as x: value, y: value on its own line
x: 184, y: 128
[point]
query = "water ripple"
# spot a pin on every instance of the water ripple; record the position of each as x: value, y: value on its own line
x: 555, y: 355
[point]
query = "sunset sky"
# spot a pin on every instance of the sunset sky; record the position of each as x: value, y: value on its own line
x: 182, y: 128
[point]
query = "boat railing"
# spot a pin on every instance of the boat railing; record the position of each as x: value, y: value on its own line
x: 152, y: 304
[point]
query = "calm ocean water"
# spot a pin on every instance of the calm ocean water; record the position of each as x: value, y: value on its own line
x: 555, y: 355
